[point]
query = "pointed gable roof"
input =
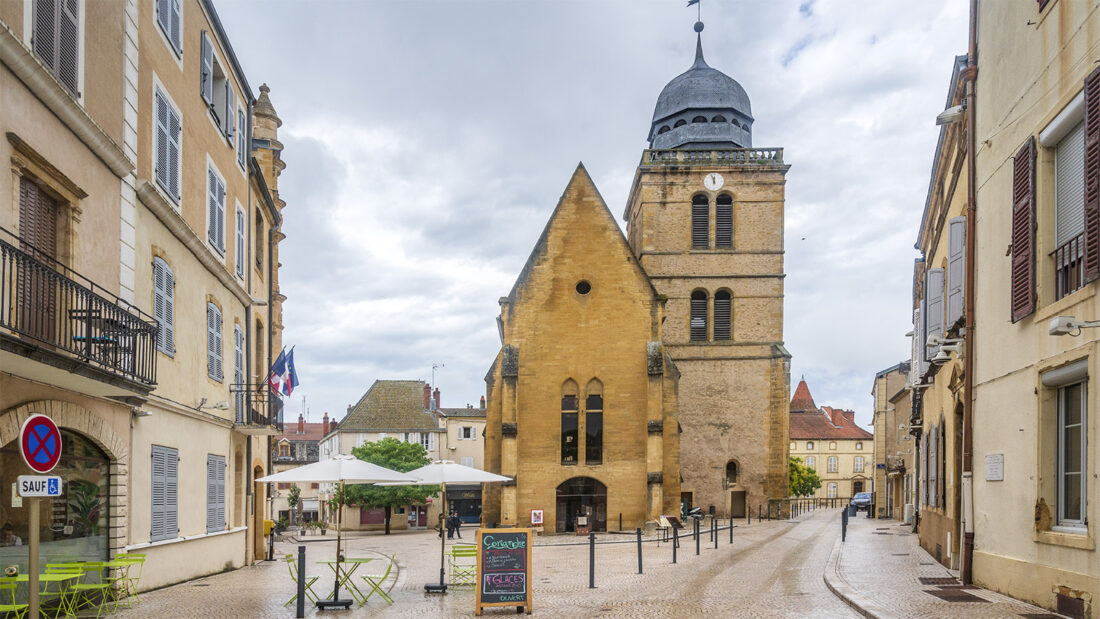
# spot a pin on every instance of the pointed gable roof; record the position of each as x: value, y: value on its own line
x: 803, y: 402
x: 391, y: 406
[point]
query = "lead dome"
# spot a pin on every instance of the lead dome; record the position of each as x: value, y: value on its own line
x: 702, y: 108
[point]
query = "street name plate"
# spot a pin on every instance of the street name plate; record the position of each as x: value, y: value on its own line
x: 995, y: 467
x: 39, y: 486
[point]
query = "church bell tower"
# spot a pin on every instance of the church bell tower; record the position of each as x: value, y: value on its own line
x: 705, y: 219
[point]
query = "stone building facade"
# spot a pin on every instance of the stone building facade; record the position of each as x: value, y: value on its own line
x: 895, y: 474
x: 705, y: 219
x: 142, y: 221
x: 581, y: 408
x: 298, y: 445
x: 829, y: 442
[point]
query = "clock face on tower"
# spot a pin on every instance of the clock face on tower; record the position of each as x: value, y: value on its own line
x: 713, y: 181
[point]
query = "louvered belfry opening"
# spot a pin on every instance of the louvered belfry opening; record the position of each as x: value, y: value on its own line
x: 722, y: 315
x: 698, y: 316
x: 700, y: 222
x: 723, y: 220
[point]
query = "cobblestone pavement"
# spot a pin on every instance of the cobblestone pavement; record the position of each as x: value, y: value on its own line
x: 880, y: 569
x: 773, y: 569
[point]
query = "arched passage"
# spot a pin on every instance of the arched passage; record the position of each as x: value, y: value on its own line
x: 581, y: 496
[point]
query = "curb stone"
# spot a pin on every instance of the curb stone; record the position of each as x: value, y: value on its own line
x: 840, y: 587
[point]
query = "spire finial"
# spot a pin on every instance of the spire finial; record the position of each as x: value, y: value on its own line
x: 699, y: 62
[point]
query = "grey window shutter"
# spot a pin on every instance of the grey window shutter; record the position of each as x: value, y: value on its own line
x: 956, y: 268
x: 230, y: 106
x: 164, y: 16
x: 473, y: 432
x: 218, y: 342
x: 933, y: 320
x: 221, y: 214
x: 213, y: 341
x: 723, y: 221
x: 212, y: 209
x: 174, y: 32
x: 240, y: 243
x: 221, y: 523
x: 211, y: 494
x: 175, y: 135
x: 207, y: 76
x: 68, y: 45
x: 44, y: 33
x: 242, y: 133
x: 162, y: 164
x: 700, y: 222
x: 171, y: 493
x: 158, y: 498
x: 163, y: 305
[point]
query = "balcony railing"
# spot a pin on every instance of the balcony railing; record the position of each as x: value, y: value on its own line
x: 45, y: 301
x: 736, y: 156
x: 257, y: 408
x: 1069, y: 266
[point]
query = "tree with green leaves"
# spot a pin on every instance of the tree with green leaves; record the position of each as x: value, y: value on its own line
x: 804, y: 480
x: 397, y: 456
x: 292, y: 500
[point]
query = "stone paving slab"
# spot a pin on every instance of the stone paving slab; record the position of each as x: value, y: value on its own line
x: 881, y: 571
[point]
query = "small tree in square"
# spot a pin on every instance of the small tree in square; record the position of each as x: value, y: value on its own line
x: 292, y: 501
x: 804, y: 480
x: 397, y: 456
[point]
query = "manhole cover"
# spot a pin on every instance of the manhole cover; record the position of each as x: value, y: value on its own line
x: 201, y: 584
x: 900, y: 554
x: 954, y: 596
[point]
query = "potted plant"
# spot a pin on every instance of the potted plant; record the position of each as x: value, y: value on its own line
x: 324, y: 527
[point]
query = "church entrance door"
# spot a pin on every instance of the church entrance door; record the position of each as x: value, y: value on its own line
x: 581, y: 496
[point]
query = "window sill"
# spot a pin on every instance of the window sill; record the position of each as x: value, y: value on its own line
x: 1079, y: 538
x: 176, y: 540
x: 1060, y: 306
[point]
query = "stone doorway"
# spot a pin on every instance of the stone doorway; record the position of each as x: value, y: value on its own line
x: 581, y: 496
x: 737, y: 504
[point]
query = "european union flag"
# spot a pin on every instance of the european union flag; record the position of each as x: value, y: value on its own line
x: 290, y: 377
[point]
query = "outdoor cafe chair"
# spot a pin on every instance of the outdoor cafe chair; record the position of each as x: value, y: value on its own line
x: 10, y: 608
x: 65, y: 594
x: 293, y: 568
x: 463, y: 560
x: 124, y: 579
x: 375, y: 582
x: 86, y: 594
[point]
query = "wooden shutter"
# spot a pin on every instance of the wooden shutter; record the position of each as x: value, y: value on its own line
x: 163, y: 167
x: 242, y: 133
x: 213, y: 341
x: 240, y: 246
x: 211, y: 494
x: 171, y: 493
x: 1092, y: 176
x: 956, y: 268
x: 1023, y: 232
x: 933, y: 318
x: 700, y: 222
x: 68, y: 45
x: 168, y: 14
x: 207, y: 76
x: 238, y: 355
x: 722, y: 311
x: 159, y: 485
x: 163, y: 310
x: 698, y: 325
x: 175, y: 130
x: 723, y: 221
x: 44, y: 33
x: 221, y: 214
x: 215, y: 229
x: 220, y: 495
x: 230, y: 105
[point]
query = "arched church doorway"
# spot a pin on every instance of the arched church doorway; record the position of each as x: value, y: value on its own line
x: 581, y: 496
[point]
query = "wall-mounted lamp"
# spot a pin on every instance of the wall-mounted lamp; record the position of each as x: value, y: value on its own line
x: 951, y: 115
x: 1068, y: 325
x: 138, y: 413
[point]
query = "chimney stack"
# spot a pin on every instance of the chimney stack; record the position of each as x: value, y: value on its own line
x: 324, y: 425
x: 427, y: 396
x: 437, y: 404
x: 482, y: 402
x: 301, y: 424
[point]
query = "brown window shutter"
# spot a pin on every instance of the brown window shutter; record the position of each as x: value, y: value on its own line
x: 1023, y: 231
x: 1092, y: 176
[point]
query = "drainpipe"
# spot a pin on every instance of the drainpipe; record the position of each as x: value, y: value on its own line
x: 970, y: 75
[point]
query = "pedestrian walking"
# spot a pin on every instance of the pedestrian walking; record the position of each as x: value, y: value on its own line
x: 450, y: 528
x: 456, y: 522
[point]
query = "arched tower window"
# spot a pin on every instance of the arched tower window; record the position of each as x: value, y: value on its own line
x: 723, y: 220
x: 699, y: 119
x: 570, y: 410
x: 722, y: 312
x: 699, y: 316
x: 732, y: 472
x: 680, y: 123
x: 593, y: 423
x: 663, y: 129
x: 700, y: 222
x: 718, y: 119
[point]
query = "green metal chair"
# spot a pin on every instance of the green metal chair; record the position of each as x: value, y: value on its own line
x: 463, y: 563
x: 375, y: 583
x: 88, y: 595
x: 16, y: 611
x: 64, y: 593
x: 124, y: 580
x: 310, y: 594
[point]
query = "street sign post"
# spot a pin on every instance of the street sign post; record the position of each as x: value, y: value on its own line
x: 40, y: 446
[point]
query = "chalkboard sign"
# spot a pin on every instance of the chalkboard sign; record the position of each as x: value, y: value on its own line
x: 503, y: 569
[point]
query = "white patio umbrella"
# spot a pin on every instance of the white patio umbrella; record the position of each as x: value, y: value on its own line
x: 443, y: 472
x: 342, y: 469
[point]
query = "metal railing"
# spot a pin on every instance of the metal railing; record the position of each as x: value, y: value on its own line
x: 45, y: 301
x: 737, y: 156
x: 256, y: 405
x: 1069, y: 266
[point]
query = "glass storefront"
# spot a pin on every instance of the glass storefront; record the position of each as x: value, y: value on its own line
x: 74, y: 526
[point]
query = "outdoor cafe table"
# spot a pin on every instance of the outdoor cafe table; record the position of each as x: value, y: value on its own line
x: 346, y: 582
x: 60, y: 579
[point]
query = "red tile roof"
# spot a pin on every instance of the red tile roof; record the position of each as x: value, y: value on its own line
x: 802, y: 400
x: 810, y: 422
x: 313, y: 432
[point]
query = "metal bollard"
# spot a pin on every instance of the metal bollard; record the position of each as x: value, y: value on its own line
x: 759, y: 512
x: 271, y: 546
x: 592, y: 560
x: 696, y: 536
x: 731, y: 529
x: 639, y: 532
x: 675, y: 541
x: 843, y: 525
x: 620, y: 521
x: 301, y: 582
x: 714, y: 531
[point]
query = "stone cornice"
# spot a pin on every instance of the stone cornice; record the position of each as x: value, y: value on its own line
x: 168, y: 216
x: 44, y: 85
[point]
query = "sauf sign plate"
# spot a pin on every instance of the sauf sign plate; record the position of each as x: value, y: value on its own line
x: 39, y: 486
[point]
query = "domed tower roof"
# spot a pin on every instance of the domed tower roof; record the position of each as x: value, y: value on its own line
x: 702, y: 108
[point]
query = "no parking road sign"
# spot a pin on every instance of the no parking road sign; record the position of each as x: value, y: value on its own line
x: 40, y: 443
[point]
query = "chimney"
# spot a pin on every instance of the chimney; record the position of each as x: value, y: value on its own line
x: 301, y: 424
x: 850, y: 416
x: 427, y: 396
x: 482, y: 402
x: 837, y: 417
x: 437, y: 404
x: 324, y: 425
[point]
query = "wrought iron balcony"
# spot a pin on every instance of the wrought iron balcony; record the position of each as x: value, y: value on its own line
x: 257, y: 410
x: 63, y: 313
x: 735, y: 156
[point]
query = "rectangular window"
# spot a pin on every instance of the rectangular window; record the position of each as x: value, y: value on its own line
x: 213, y: 342
x: 809, y: 445
x: 1069, y: 210
x: 55, y: 38
x: 593, y: 438
x: 215, y: 493
x: 832, y: 464
x: 215, y: 211
x: 164, y: 287
x: 168, y: 133
x: 832, y: 445
x: 811, y: 463
x: 1072, y: 455
x: 858, y: 467
x: 466, y: 461
x: 569, y: 438
x: 240, y: 245
x: 239, y: 402
x: 832, y: 490
x: 168, y: 16
x: 467, y: 432
x: 164, y: 523
x: 794, y: 445
x: 859, y: 445
x: 427, y: 440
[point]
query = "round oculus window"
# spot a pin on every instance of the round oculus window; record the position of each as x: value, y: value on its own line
x: 583, y: 287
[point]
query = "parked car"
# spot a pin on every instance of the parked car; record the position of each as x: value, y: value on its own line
x: 862, y: 501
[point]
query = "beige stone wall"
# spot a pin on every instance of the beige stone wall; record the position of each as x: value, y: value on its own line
x: 845, y: 451
x: 734, y: 395
x: 457, y: 448
x: 892, y: 444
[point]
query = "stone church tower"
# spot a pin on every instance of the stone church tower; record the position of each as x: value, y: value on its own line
x: 705, y: 219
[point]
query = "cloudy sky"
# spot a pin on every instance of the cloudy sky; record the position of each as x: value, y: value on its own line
x: 428, y: 142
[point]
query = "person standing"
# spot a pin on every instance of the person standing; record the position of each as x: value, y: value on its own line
x: 456, y: 523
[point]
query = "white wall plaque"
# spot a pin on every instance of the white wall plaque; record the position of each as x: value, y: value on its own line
x: 995, y: 467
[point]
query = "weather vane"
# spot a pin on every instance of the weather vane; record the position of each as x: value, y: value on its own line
x: 698, y: 14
